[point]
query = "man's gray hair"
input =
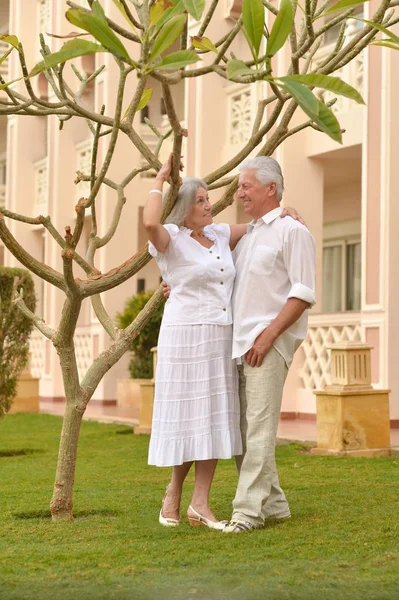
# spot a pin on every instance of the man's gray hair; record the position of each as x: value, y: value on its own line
x: 267, y: 170
x: 185, y: 200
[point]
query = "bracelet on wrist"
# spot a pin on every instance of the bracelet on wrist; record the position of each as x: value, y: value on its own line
x: 155, y: 192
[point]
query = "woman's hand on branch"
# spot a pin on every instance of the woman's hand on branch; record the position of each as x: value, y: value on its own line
x: 166, y: 169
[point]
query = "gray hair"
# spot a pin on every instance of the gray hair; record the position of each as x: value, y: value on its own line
x: 185, y: 200
x: 267, y: 170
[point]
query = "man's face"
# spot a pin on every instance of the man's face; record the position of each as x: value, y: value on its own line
x: 255, y: 196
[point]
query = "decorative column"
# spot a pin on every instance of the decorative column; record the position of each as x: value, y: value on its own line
x: 27, y: 397
x: 352, y: 417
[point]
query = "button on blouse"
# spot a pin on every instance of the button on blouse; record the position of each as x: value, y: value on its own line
x: 201, y: 279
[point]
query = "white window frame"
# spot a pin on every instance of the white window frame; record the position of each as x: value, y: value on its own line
x: 342, y: 234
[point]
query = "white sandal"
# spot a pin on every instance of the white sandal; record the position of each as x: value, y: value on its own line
x: 198, y: 520
x: 167, y: 521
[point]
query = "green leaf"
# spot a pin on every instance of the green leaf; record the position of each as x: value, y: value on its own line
x: 235, y: 68
x: 394, y: 38
x: 385, y: 44
x: 203, y: 43
x: 195, y: 8
x: 145, y: 98
x: 177, y: 9
x: 281, y: 28
x: 6, y: 55
x: 69, y: 50
x: 253, y: 16
x: 303, y: 95
x: 10, y: 39
x: 318, y: 112
x: 341, y: 5
x: 99, y: 29
x: 156, y: 11
x: 121, y: 8
x: 168, y: 35
x: 328, y: 122
x: 98, y: 10
x: 177, y: 60
x: 4, y: 85
x: 326, y: 82
x: 75, y: 16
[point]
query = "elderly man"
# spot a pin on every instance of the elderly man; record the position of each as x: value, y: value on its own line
x: 274, y: 287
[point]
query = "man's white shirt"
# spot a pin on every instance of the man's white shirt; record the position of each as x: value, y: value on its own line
x: 274, y: 261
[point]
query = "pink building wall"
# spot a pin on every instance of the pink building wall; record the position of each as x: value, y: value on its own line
x: 327, y: 183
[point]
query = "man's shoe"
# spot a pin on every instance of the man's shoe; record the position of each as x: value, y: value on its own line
x: 239, y: 527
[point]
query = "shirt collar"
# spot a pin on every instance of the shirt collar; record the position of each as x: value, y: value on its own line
x: 207, y: 231
x: 267, y: 218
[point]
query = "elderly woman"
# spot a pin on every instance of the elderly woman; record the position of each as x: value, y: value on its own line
x: 196, y: 407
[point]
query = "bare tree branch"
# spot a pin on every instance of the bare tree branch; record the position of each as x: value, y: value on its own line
x: 47, y: 331
x: 40, y: 269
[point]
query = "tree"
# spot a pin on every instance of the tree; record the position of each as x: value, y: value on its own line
x: 154, y: 26
x: 15, y: 330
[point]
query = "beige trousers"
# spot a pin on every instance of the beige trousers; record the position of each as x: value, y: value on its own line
x: 259, y: 495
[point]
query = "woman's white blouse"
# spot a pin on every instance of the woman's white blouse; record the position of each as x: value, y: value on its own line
x: 201, y: 279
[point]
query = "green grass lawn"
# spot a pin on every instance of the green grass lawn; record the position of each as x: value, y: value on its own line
x: 341, y: 543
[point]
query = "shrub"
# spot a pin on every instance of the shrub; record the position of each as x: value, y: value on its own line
x: 15, y: 330
x: 141, y: 364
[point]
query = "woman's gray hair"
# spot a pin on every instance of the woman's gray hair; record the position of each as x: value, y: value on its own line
x: 185, y: 200
x: 267, y: 170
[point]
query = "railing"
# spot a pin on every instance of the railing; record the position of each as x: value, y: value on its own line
x: 240, y: 110
x: 44, y: 15
x: 40, y: 204
x: 37, y: 350
x: 241, y: 102
x: 324, y: 330
x: 83, y: 349
x: 4, y: 65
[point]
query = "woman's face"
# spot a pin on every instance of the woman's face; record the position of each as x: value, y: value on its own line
x: 201, y: 215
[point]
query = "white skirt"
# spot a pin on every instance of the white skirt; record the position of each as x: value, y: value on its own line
x: 196, y: 407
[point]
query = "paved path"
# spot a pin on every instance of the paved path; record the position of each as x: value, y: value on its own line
x: 289, y: 429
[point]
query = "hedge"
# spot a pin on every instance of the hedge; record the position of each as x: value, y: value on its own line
x: 141, y: 364
x: 15, y: 330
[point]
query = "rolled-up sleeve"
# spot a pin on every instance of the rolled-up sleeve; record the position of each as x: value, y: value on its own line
x: 299, y: 258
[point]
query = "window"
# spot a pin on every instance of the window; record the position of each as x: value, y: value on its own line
x: 341, y: 267
x: 140, y: 285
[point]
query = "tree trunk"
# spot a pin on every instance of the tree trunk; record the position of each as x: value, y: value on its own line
x: 61, y: 502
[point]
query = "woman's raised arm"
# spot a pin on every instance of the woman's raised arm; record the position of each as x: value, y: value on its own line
x: 157, y: 234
